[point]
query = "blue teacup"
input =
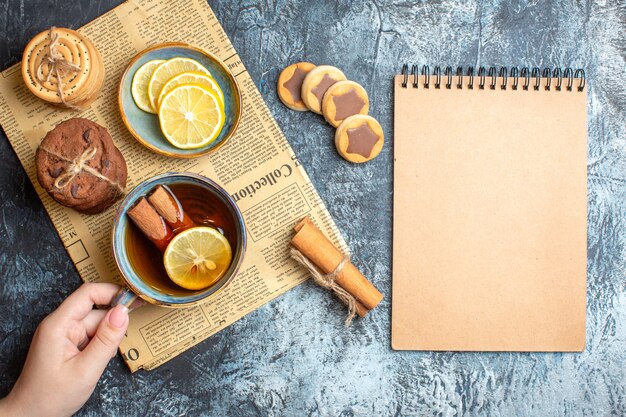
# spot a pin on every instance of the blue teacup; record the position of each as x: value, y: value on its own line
x: 139, y: 285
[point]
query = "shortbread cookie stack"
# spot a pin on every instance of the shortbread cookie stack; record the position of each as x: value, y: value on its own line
x: 62, y: 67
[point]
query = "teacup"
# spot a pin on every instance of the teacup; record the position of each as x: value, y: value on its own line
x: 138, y: 265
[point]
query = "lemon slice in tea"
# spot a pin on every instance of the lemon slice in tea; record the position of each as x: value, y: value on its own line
x: 139, y: 87
x: 192, y: 77
x: 191, y: 116
x: 197, y: 258
x: 167, y: 70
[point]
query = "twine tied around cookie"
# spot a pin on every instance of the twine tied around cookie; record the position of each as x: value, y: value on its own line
x: 328, y: 281
x: 77, y: 166
x: 57, y: 65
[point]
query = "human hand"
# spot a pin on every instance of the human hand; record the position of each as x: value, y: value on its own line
x: 70, y: 350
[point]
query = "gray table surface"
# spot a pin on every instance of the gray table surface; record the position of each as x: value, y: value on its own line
x: 293, y: 357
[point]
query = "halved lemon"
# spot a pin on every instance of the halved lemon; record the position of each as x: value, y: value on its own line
x: 167, y: 70
x: 197, y: 258
x: 192, y: 77
x: 191, y: 116
x: 139, y: 87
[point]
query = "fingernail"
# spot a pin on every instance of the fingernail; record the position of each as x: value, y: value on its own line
x: 118, y: 316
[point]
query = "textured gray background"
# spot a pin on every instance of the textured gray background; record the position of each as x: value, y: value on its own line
x: 293, y: 357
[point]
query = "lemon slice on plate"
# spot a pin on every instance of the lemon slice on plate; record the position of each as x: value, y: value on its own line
x: 197, y: 258
x: 192, y: 77
x: 191, y: 116
x: 169, y: 69
x: 139, y: 87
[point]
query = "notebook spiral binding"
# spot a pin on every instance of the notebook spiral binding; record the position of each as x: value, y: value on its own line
x: 493, y: 73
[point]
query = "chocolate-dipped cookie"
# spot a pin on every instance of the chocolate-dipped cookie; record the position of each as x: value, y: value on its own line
x: 316, y: 83
x: 342, y: 100
x: 290, y: 85
x: 359, y: 138
x: 80, y: 167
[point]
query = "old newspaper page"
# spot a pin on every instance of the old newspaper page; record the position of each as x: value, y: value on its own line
x: 257, y: 166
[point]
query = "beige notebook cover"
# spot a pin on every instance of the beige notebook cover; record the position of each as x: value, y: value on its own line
x: 490, y: 209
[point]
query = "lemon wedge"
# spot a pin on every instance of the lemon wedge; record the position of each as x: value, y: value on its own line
x: 191, y: 116
x: 192, y: 77
x: 167, y: 70
x: 197, y: 258
x: 139, y: 87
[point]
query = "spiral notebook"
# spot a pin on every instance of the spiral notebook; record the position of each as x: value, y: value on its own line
x: 490, y: 208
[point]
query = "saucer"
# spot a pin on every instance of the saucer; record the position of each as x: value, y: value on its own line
x: 145, y: 126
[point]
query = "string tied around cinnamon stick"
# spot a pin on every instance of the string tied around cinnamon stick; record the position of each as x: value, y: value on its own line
x: 319, y: 252
x: 77, y: 166
x: 328, y: 281
x: 57, y: 65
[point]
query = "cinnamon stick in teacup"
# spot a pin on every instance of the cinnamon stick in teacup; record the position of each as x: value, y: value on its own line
x: 315, y: 246
x: 151, y: 224
x: 168, y: 206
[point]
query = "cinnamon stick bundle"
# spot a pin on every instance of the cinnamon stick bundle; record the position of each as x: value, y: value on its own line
x: 160, y: 216
x: 168, y: 206
x: 151, y: 223
x: 316, y: 247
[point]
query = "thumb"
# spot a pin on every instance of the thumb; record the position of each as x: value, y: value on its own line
x: 103, y: 346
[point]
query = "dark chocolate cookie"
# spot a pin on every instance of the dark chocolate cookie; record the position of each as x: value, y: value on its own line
x: 80, y: 167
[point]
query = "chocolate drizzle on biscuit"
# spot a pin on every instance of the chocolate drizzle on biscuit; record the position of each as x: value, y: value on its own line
x: 55, y: 172
x: 323, y: 85
x: 361, y: 140
x: 74, y: 190
x: 347, y: 104
x: 294, y: 84
x: 86, y: 136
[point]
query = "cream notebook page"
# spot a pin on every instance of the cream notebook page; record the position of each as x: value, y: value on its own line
x: 490, y: 207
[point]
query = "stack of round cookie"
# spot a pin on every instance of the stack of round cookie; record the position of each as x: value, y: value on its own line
x: 80, y: 167
x: 62, y: 67
x: 344, y: 104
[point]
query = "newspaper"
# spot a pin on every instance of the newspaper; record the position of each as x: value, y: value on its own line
x: 257, y: 154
